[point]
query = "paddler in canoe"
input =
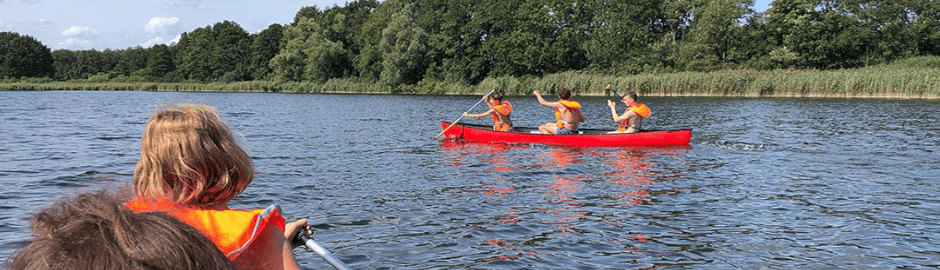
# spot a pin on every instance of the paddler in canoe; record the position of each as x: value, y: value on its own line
x: 567, y: 114
x: 632, y: 118
x: 190, y: 167
x: 499, y: 109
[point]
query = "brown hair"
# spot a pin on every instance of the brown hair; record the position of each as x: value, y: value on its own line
x: 94, y: 231
x: 564, y: 93
x: 632, y: 95
x: 497, y: 95
x: 189, y: 156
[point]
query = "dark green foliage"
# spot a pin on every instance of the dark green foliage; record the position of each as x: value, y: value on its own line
x: 217, y: 53
x: 264, y: 46
x: 416, y: 45
x: 160, y: 63
x: 24, y: 56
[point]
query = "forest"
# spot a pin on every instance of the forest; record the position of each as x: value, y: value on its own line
x: 415, y: 46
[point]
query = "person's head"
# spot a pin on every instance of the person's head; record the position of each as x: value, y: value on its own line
x: 95, y: 231
x: 190, y: 157
x: 497, y: 96
x: 630, y: 98
x: 564, y: 93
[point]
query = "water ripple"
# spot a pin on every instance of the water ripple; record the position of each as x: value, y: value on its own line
x: 841, y: 184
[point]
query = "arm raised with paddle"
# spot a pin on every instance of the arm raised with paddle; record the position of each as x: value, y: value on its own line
x: 461, y: 116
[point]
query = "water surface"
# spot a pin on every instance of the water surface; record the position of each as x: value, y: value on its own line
x: 765, y: 183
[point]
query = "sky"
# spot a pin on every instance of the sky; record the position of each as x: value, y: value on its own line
x: 122, y: 24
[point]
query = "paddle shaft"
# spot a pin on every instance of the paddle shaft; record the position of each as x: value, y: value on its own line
x: 615, y: 92
x: 461, y: 115
x: 319, y: 250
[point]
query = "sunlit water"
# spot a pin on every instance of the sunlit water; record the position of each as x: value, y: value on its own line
x: 765, y: 183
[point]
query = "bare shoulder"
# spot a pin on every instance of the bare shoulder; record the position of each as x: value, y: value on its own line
x: 265, y: 252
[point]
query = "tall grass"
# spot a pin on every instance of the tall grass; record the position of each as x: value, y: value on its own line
x: 910, y: 78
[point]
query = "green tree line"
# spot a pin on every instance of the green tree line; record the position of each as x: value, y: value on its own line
x: 402, y: 43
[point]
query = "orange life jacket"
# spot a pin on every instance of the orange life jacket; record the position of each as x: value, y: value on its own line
x: 502, y: 108
x: 641, y: 109
x: 570, y: 105
x: 502, y: 127
x: 232, y: 230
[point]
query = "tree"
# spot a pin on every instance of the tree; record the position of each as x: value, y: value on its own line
x: 130, y: 60
x: 322, y: 45
x: 822, y: 35
x: 368, y: 62
x: 63, y: 60
x: 923, y: 28
x: 160, y: 62
x: 632, y: 37
x: 713, y: 34
x: 517, y: 38
x: 193, y: 56
x: 290, y: 64
x: 264, y: 46
x: 216, y: 53
x: 455, y: 39
x: 76, y: 65
x: 24, y: 56
x: 404, y: 49
x: 230, y: 52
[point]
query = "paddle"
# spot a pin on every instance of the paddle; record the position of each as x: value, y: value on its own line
x: 614, y: 91
x: 461, y: 115
x: 303, y: 237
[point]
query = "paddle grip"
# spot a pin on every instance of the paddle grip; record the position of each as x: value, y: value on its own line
x: 300, y: 236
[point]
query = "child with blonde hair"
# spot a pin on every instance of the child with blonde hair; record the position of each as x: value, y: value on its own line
x: 190, y: 167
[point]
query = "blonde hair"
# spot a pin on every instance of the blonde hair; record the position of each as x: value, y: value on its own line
x: 189, y: 156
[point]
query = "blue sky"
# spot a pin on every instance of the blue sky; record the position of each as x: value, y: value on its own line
x: 120, y: 24
x: 759, y: 5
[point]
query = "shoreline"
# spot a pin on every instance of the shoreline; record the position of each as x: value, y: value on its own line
x: 580, y: 93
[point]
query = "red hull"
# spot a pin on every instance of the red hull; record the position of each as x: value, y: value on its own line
x: 588, y: 138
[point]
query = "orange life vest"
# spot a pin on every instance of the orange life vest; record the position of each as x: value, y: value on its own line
x: 641, y: 109
x: 502, y: 108
x: 570, y: 105
x: 232, y: 230
x: 502, y: 127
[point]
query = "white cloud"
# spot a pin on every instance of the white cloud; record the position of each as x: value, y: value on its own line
x: 162, y: 25
x: 44, y: 21
x: 160, y: 40
x: 79, y: 32
x: 75, y: 44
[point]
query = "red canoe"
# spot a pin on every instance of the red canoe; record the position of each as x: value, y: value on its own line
x: 586, y: 137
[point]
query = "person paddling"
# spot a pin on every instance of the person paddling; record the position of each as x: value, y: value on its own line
x: 567, y: 114
x: 632, y: 118
x: 190, y: 167
x: 499, y: 109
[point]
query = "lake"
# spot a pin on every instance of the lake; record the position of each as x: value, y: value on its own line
x: 765, y: 183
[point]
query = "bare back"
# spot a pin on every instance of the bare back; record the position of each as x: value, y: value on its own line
x: 570, y: 117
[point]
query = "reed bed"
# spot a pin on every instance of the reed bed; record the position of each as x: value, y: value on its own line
x: 885, y: 81
x: 880, y: 82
